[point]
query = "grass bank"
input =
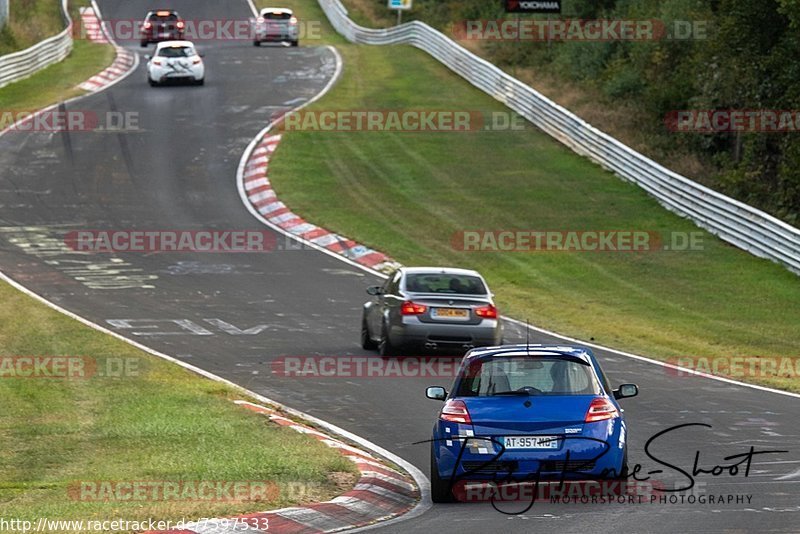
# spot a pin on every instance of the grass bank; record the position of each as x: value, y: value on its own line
x: 408, y: 194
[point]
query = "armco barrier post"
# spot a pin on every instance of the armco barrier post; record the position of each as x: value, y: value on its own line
x: 3, y: 12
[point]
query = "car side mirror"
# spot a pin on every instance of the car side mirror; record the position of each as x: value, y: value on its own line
x: 147, y: 57
x: 625, y: 391
x: 374, y: 290
x: 436, y: 393
x: 201, y: 54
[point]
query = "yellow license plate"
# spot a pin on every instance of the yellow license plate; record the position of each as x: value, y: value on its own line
x: 450, y: 313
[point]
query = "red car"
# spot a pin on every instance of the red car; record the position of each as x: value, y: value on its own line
x: 162, y: 25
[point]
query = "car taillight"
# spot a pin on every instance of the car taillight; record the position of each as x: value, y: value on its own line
x: 412, y: 308
x: 180, y: 24
x: 261, y: 20
x: 293, y: 21
x: 599, y: 410
x: 148, y: 25
x: 197, y: 61
x: 156, y: 62
x: 455, y: 411
x: 487, y: 312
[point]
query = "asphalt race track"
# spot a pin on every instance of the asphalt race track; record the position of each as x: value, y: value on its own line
x: 233, y: 314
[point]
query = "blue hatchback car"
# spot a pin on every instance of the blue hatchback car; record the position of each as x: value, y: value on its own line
x: 527, y: 412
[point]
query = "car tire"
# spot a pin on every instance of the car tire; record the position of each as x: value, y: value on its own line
x: 201, y: 81
x: 295, y: 43
x: 367, y: 343
x: 151, y: 81
x: 385, y: 347
x: 143, y: 44
x: 441, y: 492
x: 256, y: 43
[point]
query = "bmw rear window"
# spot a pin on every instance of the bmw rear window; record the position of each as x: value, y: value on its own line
x: 524, y: 375
x: 459, y: 284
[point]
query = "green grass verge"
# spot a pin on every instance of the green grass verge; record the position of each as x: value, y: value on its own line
x: 29, y: 22
x: 408, y: 193
x: 157, y: 422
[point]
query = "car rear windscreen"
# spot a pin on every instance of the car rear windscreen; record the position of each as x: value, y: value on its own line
x: 163, y: 18
x: 458, y: 284
x: 527, y: 375
x: 277, y: 16
x: 176, y: 51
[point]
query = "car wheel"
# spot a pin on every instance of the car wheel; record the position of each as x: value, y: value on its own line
x: 295, y: 43
x: 367, y: 342
x: 441, y: 492
x: 385, y: 347
x: 143, y: 44
x: 151, y: 81
x: 201, y: 81
x: 256, y: 43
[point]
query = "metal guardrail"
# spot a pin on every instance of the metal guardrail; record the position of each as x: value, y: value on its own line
x: 735, y: 222
x: 19, y: 65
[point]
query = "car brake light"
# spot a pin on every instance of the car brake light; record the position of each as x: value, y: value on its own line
x: 599, y: 410
x: 412, y: 308
x: 180, y: 24
x: 196, y: 61
x: 163, y: 13
x: 487, y: 312
x: 261, y: 20
x: 455, y: 411
x: 156, y: 62
x: 293, y: 21
x: 148, y: 25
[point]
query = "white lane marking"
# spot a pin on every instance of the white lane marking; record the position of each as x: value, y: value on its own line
x: 419, y: 477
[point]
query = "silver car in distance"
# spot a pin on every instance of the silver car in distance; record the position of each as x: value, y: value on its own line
x: 430, y: 308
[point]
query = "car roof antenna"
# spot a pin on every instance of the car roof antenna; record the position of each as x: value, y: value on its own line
x: 527, y: 336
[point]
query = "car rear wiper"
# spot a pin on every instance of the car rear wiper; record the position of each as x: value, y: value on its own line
x: 524, y: 393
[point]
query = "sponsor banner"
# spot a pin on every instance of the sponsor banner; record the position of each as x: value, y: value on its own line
x: 532, y: 6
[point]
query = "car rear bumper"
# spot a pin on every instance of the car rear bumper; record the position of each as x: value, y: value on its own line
x: 446, y: 335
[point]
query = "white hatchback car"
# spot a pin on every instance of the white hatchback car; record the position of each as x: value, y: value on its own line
x: 175, y: 61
